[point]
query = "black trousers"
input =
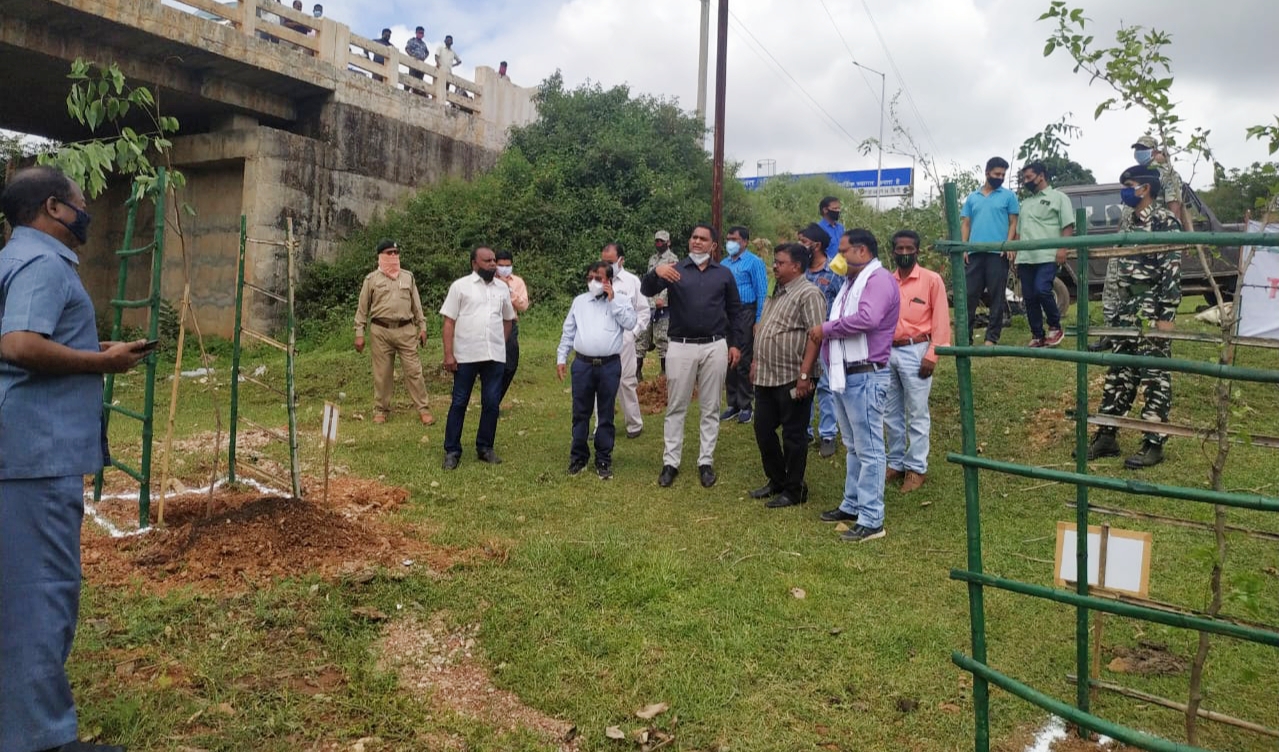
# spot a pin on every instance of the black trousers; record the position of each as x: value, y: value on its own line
x: 987, y: 273
x: 512, y: 360
x: 594, y: 387
x: 737, y: 382
x: 785, y: 460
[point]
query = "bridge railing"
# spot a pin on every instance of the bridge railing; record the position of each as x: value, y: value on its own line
x: 333, y: 42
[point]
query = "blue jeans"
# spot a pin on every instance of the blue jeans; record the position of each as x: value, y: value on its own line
x: 595, y: 389
x: 860, y: 414
x: 825, y: 406
x: 39, y: 605
x: 489, y: 372
x: 906, y: 418
x: 1037, y: 292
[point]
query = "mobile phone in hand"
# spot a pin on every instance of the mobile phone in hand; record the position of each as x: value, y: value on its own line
x: 148, y: 346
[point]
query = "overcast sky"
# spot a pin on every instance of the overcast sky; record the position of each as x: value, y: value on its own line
x: 974, y: 68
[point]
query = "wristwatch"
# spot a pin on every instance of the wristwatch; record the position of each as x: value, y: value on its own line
x: 803, y: 376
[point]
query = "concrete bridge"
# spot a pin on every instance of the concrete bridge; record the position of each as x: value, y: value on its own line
x: 282, y: 116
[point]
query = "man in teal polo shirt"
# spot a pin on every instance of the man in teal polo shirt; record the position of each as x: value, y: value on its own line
x: 51, y: 436
x: 1046, y: 213
x: 989, y: 216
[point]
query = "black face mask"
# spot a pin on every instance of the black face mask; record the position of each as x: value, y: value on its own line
x: 486, y: 274
x: 79, y: 227
x: 994, y: 182
x: 907, y: 262
x: 833, y: 216
x: 659, y: 247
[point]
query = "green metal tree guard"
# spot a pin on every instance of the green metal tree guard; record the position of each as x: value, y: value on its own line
x: 289, y: 347
x: 968, y: 459
x: 157, y: 193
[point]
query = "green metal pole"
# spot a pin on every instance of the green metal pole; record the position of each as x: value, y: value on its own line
x: 1199, y: 368
x: 1082, y: 664
x: 972, y: 497
x: 153, y: 332
x: 235, y: 350
x: 1120, y: 239
x: 117, y: 325
x: 295, y: 469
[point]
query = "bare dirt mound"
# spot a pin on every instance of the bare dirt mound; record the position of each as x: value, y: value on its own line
x: 441, y: 662
x: 242, y: 539
x: 652, y: 395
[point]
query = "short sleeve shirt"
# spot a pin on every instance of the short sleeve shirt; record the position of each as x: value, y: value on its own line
x: 988, y: 215
x: 479, y: 308
x: 50, y: 424
x: 1043, y: 215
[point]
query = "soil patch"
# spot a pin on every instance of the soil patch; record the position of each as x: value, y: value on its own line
x: 442, y: 663
x: 242, y: 538
x: 652, y: 395
x: 1147, y: 659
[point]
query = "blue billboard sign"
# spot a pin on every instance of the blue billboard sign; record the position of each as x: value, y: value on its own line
x: 893, y: 181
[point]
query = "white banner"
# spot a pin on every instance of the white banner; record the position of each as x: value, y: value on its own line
x: 1258, y: 294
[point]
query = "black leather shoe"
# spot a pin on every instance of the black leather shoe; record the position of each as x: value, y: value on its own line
x: 837, y: 515
x: 763, y: 492
x: 668, y: 476
x: 707, y: 474
x: 489, y: 456
x: 576, y: 466
x: 451, y: 461
x: 785, y: 499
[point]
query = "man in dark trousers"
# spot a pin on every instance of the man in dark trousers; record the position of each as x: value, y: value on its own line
x: 752, y: 288
x: 704, y: 341
x: 51, y: 435
x: 989, y: 215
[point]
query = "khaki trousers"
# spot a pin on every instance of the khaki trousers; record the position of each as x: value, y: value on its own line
x: 386, y: 344
x: 628, y: 393
x: 688, y: 366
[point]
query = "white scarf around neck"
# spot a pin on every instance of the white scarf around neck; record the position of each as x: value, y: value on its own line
x: 853, y: 348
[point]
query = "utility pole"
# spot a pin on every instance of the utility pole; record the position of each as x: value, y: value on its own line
x: 717, y: 157
x: 879, y: 171
x: 701, y: 62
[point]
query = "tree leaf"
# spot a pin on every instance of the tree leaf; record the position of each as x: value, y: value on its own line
x: 649, y: 712
x: 613, y: 732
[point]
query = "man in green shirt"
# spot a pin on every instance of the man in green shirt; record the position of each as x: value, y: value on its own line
x: 1046, y: 213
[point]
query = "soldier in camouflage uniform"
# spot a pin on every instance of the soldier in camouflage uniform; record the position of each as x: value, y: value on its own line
x: 654, y: 337
x: 1148, y: 154
x: 1148, y: 293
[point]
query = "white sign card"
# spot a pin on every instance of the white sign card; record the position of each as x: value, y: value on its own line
x: 1127, y: 559
x: 1258, y: 294
x: 329, y: 425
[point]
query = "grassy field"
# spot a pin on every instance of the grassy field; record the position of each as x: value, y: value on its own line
x: 611, y: 596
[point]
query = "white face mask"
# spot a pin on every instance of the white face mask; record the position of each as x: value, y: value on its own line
x: 505, y: 271
x: 699, y: 258
x: 617, y: 268
x: 595, y: 286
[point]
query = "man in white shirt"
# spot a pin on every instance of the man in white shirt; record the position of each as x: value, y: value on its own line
x: 477, y: 320
x: 628, y: 284
x: 445, y: 58
x: 595, y: 329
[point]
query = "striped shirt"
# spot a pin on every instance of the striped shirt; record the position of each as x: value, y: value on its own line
x: 751, y: 277
x: 782, y: 333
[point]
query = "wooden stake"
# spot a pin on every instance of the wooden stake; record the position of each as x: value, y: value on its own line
x: 327, y: 448
x: 173, y: 400
x: 1162, y: 702
x: 1099, y: 616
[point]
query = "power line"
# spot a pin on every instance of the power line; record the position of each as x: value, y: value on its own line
x: 851, y: 56
x: 910, y: 99
x: 813, y: 102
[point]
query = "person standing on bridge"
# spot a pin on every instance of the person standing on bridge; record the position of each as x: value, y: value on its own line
x: 378, y: 59
x: 445, y: 58
x: 389, y: 299
x: 51, y: 366
x: 416, y: 49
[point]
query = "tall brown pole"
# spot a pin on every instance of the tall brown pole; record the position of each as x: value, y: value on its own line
x: 717, y: 158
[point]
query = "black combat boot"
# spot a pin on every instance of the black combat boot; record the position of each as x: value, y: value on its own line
x: 1151, y: 454
x: 1103, y: 444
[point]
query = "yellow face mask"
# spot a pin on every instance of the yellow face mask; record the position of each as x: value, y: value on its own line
x: 839, y: 265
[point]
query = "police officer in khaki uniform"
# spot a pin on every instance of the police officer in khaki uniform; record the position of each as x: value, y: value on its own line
x: 389, y: 301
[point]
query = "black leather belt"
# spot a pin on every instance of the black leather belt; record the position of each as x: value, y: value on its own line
x: 596, y: 362
x: 863, y: 367
x: 696, y: 340
x: 392, y: 323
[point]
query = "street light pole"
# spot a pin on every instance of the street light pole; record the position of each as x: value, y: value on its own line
x: 879, y: 170
x: 701, y: 63
x: 717, y: 156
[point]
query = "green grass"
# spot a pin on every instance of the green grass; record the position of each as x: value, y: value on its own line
x: 619, y: 594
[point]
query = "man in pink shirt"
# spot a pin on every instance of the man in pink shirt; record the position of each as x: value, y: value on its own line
x: 856, y: 341
x: 922, y: 324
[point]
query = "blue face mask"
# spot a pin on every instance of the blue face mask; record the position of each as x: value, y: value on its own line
x: 733, y: 247
x: 1144, y: 156
x: 1129, y: 196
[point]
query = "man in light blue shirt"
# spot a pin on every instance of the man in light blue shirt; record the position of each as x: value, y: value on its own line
x: 51, y: 436
x: 989, y: 216
x: 595, y: 330
x: 752, y: 287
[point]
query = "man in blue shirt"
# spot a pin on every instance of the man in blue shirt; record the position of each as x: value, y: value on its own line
x: 829, y: 208
x: 752, y: 287
x: 989, y: 216
x: 51, y: 436
x: 595, y: 329
x: 818, y: 242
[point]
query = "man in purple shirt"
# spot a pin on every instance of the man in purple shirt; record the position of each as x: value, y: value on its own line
x: 855, y: 344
